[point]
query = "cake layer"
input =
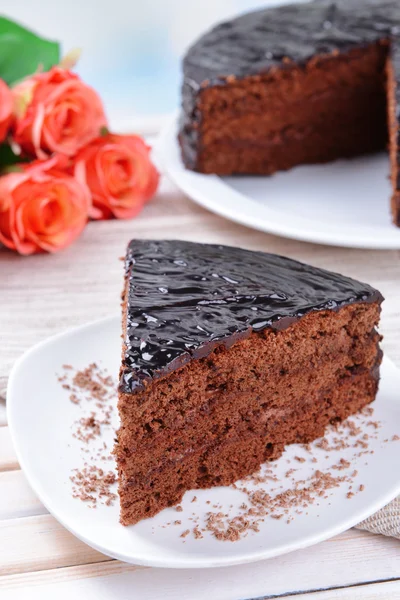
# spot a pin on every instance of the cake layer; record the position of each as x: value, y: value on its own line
x: 226, y: 420
x: 226, y: 414
x: 226, y: 462
x: 292, y: 147
x: 318, y: 337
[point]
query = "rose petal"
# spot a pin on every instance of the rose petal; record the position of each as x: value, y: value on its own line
x: 63, y: 114
x: 119, y: 174
x: 47, y: 208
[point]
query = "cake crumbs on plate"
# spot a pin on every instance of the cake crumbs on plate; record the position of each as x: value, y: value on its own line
x: 93, y: 391
x: 92, y: 484
x: 197, y: 533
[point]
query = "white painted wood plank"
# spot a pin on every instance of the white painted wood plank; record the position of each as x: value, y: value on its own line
x: 8, y: 459
x: 376, y: 591
x: 37, y: 543
x: 3, y: 416
x: 343, y: 561
x: 16, y: 497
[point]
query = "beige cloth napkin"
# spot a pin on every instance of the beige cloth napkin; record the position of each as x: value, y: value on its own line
x: 386, y: 521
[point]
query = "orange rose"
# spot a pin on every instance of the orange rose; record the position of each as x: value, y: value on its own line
x: 6, y: 109
x: 41, y: 208
x: 119, y: 173
x: 56, y: 112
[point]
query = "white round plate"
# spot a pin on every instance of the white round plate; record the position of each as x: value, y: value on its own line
x: 344, y: 203
x: 40, y: 417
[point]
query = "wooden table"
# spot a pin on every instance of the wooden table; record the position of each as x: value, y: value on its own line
x: 43, y: 295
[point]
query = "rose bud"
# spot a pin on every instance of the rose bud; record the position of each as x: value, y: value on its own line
x: 56, y: 112
x: 119, y: 173
x: 6, y: 110
x: 42, y: 208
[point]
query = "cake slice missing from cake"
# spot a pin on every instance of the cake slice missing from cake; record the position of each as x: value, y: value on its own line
x: 229, y: 355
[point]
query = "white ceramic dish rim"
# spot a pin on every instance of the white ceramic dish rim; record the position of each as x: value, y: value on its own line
x: 209, y: 190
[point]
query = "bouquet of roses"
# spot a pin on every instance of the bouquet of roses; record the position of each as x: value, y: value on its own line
x: 60, y: 166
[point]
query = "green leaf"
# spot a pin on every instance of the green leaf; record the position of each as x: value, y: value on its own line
x: 8, y: 158
x: 22, y: 52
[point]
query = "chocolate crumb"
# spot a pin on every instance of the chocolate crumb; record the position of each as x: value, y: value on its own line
x: 185, y: 533
x: 343, y: 464
x: 74, y: 399
x: 290, y: 472
x: 300, y: 459
x: 197, y: 533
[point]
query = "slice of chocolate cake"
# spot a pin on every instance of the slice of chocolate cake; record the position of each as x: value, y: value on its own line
x: 229, y: 355
x: 295, y: 84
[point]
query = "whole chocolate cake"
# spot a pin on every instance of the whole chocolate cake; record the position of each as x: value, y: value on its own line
x: 229, y: 355
x: 296, y: 84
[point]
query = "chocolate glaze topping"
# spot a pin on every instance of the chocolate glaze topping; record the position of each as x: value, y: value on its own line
x: 257, y: 41
x: 184, y: 299
x: 282, y: 37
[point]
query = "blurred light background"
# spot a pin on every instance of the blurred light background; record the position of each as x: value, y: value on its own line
x: 131, y: 49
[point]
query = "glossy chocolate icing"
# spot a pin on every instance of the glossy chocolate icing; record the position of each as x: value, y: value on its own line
x: 184, y: 299
x: 281, y: 37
